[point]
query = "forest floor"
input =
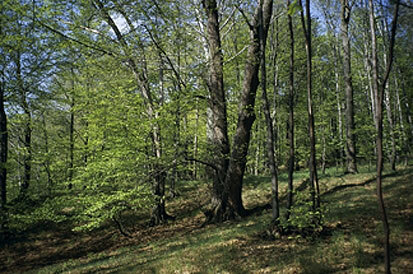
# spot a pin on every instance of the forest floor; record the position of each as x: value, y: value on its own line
x: 353, y: 242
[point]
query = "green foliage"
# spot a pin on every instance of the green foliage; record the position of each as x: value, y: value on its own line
x: 294, y: 8
x: 303, y: 219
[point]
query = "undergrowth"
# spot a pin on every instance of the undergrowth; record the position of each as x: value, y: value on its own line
x: 350, y: 238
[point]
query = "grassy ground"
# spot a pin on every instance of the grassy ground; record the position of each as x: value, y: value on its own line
x: 353, y: 242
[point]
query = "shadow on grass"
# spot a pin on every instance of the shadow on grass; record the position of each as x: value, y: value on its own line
x: 389, y: 175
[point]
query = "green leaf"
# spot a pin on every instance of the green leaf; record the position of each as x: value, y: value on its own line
x: 294, y: 7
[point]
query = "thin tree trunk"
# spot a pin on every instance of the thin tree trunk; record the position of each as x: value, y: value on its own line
x: 71, y: 136
x: 27, y: 131
x: 351, y: 166
x: 390, y: 119
x: 270, y: 140
x: 315, y: 190
x: 323, y: 156
x: 275, y: 125
x: 3, y: 162
x: 257, y: 151
x: 290, y: 117
x: 47, y: 160
x: 378, y: 96
x: 367, y: 68
x: 336, y: 56
x: 405, y: 140
x: 195, y: 152
x: 176, y: 137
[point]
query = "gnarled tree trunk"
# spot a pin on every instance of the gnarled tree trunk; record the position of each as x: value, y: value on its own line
x: 246, y: 114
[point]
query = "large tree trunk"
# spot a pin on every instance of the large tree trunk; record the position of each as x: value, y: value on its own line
x: 290, y: 123
x: 246, y: 114
x: 351, y: 166
x: 218, y: 108
x: 227, y: 185
x: 379, y: 88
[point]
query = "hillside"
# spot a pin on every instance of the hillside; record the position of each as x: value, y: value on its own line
x: 351, y: 241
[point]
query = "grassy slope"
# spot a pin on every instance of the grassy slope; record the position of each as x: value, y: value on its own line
x: 353, y: 245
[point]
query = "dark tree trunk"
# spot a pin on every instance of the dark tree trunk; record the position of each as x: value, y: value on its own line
x: 351, y: 165
x: 378, y: 88
x: 246, y: 114
x: 227, y: 184
x: 3, y: 162
x: 315, y: 190
x: 218, y: 108
x: 290, y: 124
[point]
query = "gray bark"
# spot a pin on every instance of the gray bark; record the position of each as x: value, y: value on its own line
x: 351, y: 166
x: 218, y: 110
x: 246, y: 114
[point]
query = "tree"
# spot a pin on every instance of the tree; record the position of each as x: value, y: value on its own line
x: 311, y: 131
x: 351, y: 163
x: 290, y: 123
x: 232, y: 186
x: 378, y: 88
x: 3, y: 147
x: 270, y: 138
x: 159, y: 214
x: 217, y: 105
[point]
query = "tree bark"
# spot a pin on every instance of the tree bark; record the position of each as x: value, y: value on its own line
x: 227, y: 184
x: 3, y: 163
x: 218, y: 109
x: 246, y: 114
x: 290, y: 124
x: 46, y: 163
x: 270, y: 139
x: 390, y: 119
x: 351, y: 166
x: 315, y: 190
x: 71, y: 133
x: 379, y: 88
x: 27, y: 130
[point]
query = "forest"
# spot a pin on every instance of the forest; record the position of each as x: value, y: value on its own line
x: 206, y: 136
